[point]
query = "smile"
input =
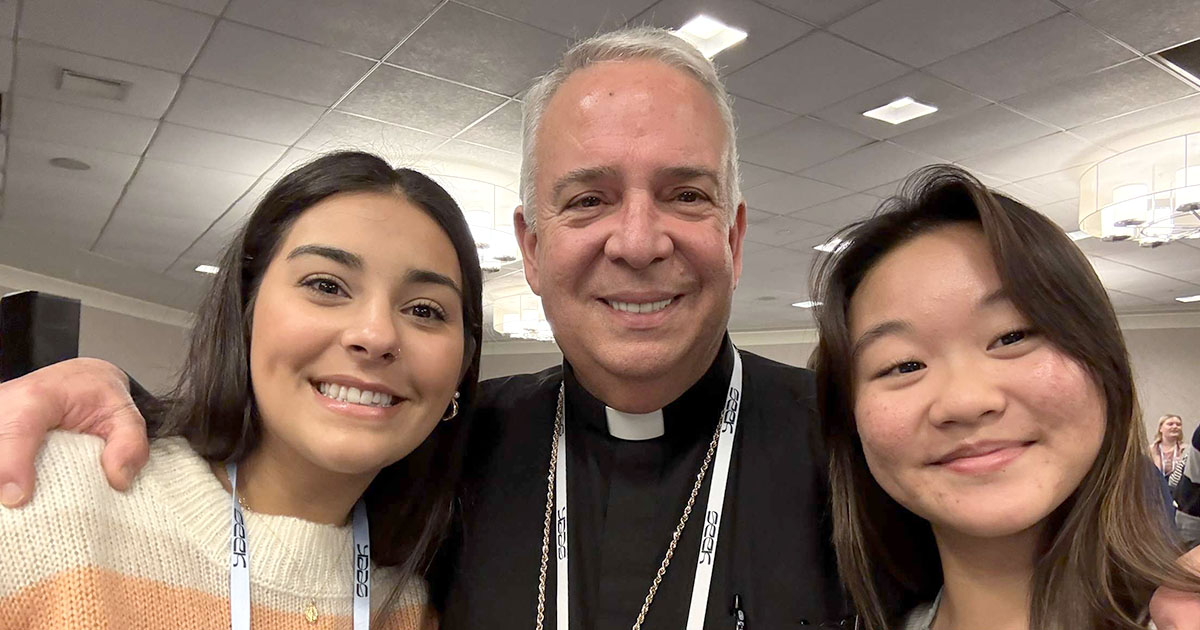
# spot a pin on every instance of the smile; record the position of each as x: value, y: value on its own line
x: 356, y: 396
x: 639, y: 307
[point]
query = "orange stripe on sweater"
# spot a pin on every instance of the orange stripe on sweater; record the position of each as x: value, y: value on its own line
x: 97, y: 599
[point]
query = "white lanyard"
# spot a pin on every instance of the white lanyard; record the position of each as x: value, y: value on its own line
x: 712, y: 515
x: 239, y: 564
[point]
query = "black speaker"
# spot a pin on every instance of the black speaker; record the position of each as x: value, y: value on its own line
x: 36, y: 330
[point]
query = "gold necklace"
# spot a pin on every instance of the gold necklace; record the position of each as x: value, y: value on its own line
x: 662, y: 569
x: 310, y: 609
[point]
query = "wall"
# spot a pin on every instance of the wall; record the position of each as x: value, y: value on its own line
x: 148, y: 341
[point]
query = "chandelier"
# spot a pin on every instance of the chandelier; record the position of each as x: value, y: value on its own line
x: 488, y: 209
x: 1150, y: 194
x: 520, y: 316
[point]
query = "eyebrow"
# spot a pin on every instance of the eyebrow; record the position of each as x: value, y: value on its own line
x: 689, y: 172
x: 876, y: 332
x: 583, y: 175
x: 896, y: 326
x: 426, y: 276
x: 336, y: 254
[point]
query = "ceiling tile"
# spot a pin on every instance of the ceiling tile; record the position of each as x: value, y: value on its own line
x: 366, y: 27
x: 1149, y: 29
x: 869, y: 166
x: 767, y: 29
x: 1034, y: 199
x: 480, y: 49
x: 819, y: 12
x: 779, y: 231
x: 1148, y: 125
x: 1119, y: 90
x: 840, y: 212
x: 417, y: 101
x: 776, y: 268
x: 501, y: 130
x: 753, y: 118
x: 8, y: 20
x: 1048, y: 154
x: 196, y: 147
x: 1047, y: 53
x: 752, y: 175
x: 39, y: 69
x: 920, y: 32
x: 790, y: 193
x: 570, y: 18
x: 137, y: 31
x: 338, y: 131
x: 797, y: 145
x: 1058, y: 185
x: 1173, y: 259
x: 260, y: 60
x: 755, y: 216
x: 241, y: 112
x: 1124, y: 302
x: 211, y: 7
x: 165, y: 208
x: 978, y: 131
x: 77, y: 126
x: 1129, y: 279
x: 69, y: 206
x: 949, y: 100
x: 474, y: 157
x: 1065, y: 213
x: 812, y: 73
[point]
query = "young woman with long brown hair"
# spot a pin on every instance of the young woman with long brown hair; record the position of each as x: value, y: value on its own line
x: 988, y: 467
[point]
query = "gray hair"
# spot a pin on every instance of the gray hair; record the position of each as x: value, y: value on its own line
x: 632, y: 43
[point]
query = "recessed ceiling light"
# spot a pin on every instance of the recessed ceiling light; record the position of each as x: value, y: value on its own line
x: 806, y: 304
x: 900, y: 110
x: 209, y: 269
x: 1188, y: 299
x: 834, y: 244
x: 70, y: 164
x: 1078, y: 235
x: 709, y: 36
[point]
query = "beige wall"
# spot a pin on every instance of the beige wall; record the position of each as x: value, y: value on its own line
x: 149, y: 350
x: 1166, y: 364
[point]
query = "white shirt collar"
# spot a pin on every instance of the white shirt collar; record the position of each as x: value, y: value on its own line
x: 634, y: 427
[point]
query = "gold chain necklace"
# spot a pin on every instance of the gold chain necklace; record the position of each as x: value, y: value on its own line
x: 662, y: 569
x: 310, y: 609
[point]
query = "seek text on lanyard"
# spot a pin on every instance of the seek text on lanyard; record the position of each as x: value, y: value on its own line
x: 712, y: 516
x: 239, y: 564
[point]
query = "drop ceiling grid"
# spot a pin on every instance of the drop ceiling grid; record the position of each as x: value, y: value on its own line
x: 542, y: 22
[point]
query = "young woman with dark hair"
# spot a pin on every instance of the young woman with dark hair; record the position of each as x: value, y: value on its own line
x: 302, y: 472
x: 986, y: 451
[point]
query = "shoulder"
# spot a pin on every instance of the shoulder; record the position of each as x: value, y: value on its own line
x: 796, y: 379
x: 68, y: 473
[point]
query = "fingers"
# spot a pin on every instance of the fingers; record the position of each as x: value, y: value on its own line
x: 126, y: 449
x: 23, y: 416
x: 19, y: 442
x: 1175, y: 610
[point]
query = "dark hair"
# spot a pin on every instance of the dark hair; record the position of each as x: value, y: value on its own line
x: 410, y: 502
x: 1102, y: 556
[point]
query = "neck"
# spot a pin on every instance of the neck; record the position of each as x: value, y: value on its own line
x: 641, y: 393
x: 1168, y: 442
x: 272, y: 481
x: 987, y: 580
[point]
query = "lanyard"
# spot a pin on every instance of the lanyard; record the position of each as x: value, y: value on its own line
x: 712, y: 515
x: 239, y: 564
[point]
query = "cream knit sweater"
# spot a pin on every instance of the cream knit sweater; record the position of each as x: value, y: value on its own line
x: 82, y: 555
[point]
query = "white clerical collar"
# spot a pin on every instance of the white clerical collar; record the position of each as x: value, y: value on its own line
x: 634, y: 427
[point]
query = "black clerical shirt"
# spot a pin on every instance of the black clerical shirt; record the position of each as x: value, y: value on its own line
x: 626, y: 498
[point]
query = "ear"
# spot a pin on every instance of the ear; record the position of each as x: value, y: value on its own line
x: 528, y: 240
x: 737, y: 234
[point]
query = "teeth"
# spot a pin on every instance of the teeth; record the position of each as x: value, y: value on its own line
x: 646, y: 307
x: 356, y: 396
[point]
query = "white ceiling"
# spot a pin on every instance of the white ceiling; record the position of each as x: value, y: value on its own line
x: 227, y: 95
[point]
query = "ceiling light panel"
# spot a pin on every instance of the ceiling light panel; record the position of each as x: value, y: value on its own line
x: 710, y: 36
x: 900, y: 111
